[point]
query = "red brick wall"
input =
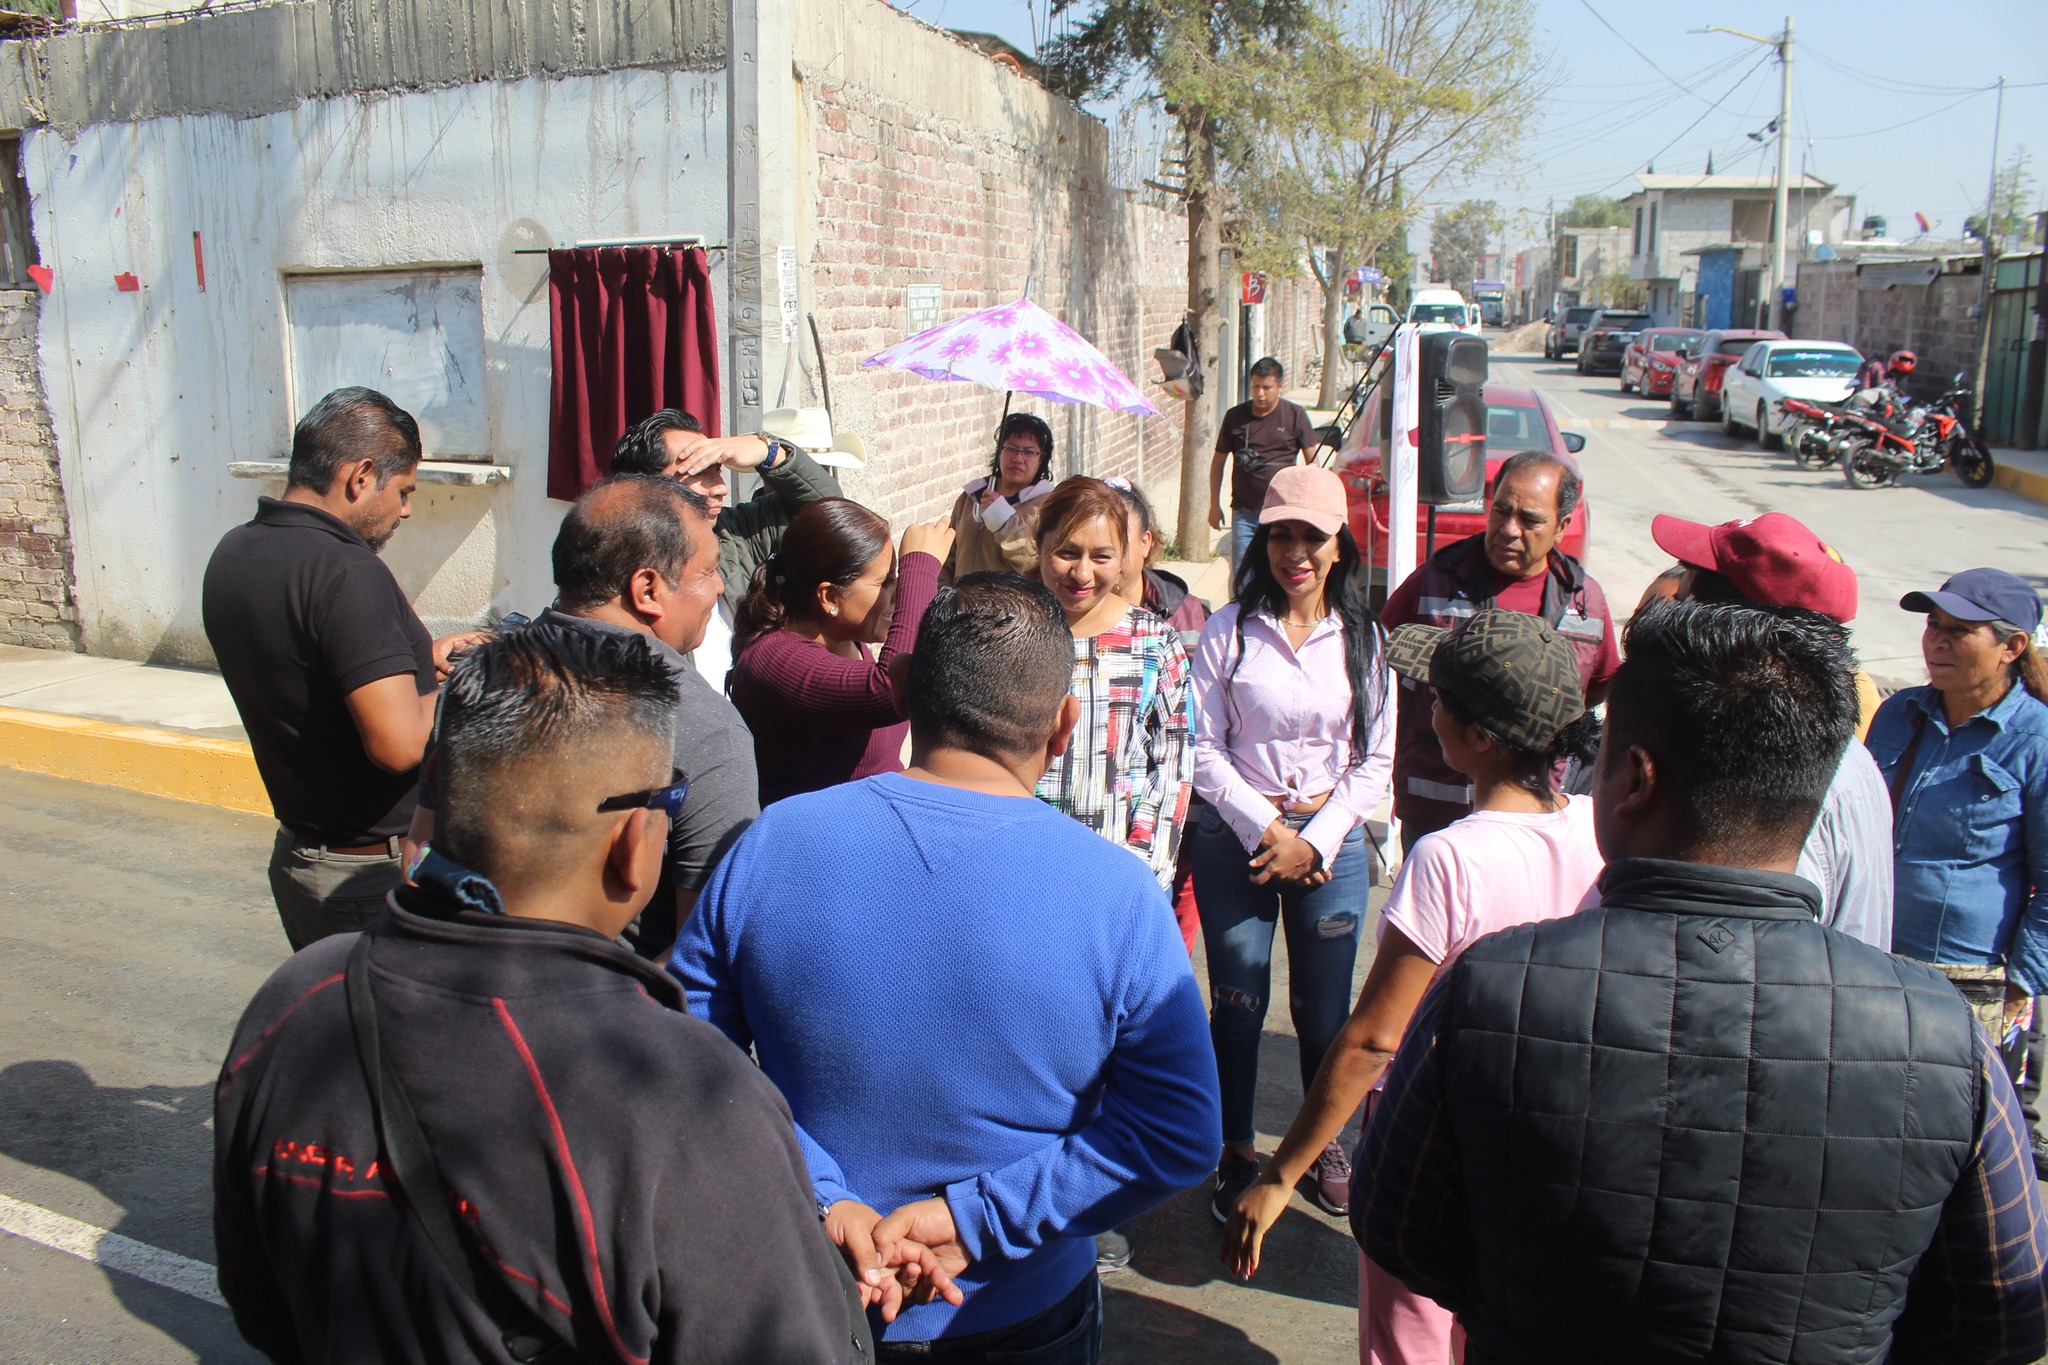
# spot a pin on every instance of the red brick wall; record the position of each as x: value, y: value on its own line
x: 904, y: 198
x: 35, y: 536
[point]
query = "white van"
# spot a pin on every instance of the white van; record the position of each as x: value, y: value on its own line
x: 1437, y: 309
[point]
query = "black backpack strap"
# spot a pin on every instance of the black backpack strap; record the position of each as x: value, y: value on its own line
x: 410, y: 1161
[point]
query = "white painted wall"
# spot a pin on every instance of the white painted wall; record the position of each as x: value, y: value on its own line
x: 152, y: 393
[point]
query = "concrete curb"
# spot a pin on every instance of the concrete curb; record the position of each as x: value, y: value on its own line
x: 2027, y: 483
x: 209, y: 772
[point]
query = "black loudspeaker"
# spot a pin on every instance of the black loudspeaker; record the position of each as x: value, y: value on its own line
x: 1451, y: 454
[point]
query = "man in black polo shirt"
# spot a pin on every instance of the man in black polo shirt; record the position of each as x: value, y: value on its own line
x: 1257, y: 440
x: 331, y: 670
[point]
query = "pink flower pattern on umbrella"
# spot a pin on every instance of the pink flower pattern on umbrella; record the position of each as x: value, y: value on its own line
x: 1017, y: 346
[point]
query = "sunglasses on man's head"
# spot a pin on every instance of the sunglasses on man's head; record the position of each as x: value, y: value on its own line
x: 669, y: 798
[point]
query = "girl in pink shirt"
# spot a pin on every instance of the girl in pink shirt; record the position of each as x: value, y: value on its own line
x: 1508, y: 708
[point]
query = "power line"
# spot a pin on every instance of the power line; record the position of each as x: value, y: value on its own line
x: 1892, y: 85
x: 1873, y: 132
x: 1639, y: 52
x: 1651, y: 159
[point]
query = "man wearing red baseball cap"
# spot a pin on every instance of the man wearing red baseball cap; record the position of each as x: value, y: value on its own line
x: 1774, y: 560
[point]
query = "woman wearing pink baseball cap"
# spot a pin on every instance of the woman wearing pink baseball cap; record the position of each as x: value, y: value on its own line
x: 1293, y: 750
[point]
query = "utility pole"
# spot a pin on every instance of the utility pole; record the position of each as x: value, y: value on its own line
x: 1779, y: 206
x: 1990, y: 268
x: 1782, y: 44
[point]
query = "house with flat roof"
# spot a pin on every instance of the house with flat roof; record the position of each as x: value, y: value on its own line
x: 1675, y: 218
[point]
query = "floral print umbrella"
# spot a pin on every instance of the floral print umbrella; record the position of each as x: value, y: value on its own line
x: 1021, y: 348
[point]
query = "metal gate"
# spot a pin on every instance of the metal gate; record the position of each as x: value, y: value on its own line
x: 2012, y: 330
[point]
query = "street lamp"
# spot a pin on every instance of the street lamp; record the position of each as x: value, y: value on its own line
x: 1783, y: 46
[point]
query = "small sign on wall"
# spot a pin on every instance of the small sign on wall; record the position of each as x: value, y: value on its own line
x: 786, y: 284
x: 923, y: 303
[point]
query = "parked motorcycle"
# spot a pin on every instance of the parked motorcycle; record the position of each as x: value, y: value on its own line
x: 1813, y: 431
x: 1877, y: 449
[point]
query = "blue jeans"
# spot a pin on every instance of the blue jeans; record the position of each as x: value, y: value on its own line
x: 1237, y: 926
x: 1068, y: 1333
x: 1243, y: 526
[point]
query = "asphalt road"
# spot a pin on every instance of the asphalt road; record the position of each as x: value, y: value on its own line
x: 1897, y: 539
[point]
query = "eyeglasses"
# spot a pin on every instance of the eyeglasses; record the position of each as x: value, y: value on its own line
x: 1031, y: 449
x: 669, y: 798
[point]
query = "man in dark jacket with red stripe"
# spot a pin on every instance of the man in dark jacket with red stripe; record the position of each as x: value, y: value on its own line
x: 1514, y: 565
x: 617, y: 1172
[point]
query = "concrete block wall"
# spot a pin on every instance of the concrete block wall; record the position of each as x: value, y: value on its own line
x: 1932, y: 320
x: 35, y: 534
x: 934, y: 166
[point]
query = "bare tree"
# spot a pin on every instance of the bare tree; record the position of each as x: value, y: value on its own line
x: 1203, y: 62
x: 1423, y: 93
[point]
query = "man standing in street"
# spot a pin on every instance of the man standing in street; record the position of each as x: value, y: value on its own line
x: 1773, y: 560
x: 1513, y: 565
x: 1257, y: 440
x: 482, y: 1120
x: 1694, y: 1123
x: 1068, y: 1085
x: 637, y: 555
x: 331, y: 670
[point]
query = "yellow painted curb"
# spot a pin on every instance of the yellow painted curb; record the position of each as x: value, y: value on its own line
x: 211, y: 772
x: 2024, y: 482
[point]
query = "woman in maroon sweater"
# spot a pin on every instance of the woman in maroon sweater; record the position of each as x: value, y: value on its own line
x: 803, y: 676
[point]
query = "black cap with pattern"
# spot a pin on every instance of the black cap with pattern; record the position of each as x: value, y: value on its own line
x: 1511, y: 672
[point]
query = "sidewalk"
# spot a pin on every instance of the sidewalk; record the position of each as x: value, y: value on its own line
x: 163, y: 731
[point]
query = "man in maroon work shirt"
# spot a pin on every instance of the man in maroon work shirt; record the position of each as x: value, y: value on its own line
x: 1514, y: 565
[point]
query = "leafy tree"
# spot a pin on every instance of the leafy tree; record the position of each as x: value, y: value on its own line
x: 1374, y: 95
x: 1593, y: 211
x: 2012, y: 191
x: 1202, y: 62
x: 1458, y: 238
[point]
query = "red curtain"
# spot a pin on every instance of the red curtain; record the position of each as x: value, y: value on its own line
x: 633, y: 332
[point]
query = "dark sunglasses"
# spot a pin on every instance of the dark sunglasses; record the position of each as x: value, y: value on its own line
x: 669, y: 798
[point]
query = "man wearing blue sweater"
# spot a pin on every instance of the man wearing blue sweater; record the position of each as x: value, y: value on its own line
x: 980, y: 1013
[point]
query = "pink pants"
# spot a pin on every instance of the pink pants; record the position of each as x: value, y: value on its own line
x: 1397, y: 1326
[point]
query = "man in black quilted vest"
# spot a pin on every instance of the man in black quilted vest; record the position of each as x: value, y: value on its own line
x: 1693, y: 1123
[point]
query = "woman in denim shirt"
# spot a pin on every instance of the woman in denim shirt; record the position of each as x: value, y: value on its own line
x: 1966, y: 758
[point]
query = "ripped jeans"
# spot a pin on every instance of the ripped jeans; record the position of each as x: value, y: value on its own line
x: 1237, y: 930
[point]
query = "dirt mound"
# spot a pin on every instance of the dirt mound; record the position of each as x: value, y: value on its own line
x: 1524, y: 340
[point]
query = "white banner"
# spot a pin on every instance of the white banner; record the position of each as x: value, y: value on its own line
x: 1402, y: 475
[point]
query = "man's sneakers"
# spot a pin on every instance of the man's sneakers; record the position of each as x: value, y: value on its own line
x: 1112, y: 1252
x: 1328, y: 1182
x: 2040, y: 1154
x: 1233, y: 1177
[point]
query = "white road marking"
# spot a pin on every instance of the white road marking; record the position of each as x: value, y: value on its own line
x: 165, y: 1269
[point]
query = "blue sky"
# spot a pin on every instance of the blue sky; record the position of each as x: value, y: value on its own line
x: 1881, y: 104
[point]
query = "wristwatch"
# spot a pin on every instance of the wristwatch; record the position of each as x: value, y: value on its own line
x: 778, y: 452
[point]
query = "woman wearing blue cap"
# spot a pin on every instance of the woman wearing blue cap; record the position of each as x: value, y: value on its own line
x: 1966, y: 758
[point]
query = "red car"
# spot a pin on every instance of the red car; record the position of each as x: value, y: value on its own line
x: 1516, y: 420
x: 1696, y: 387
x: 1651, y: 360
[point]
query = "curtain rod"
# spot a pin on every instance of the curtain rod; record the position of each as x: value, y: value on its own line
x: 668, y: 241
